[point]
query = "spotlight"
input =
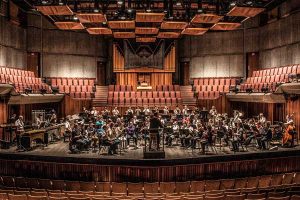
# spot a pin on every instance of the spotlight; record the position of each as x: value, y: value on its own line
x: 45, y: 2
x: 200, y: 10
x: 232, y: 4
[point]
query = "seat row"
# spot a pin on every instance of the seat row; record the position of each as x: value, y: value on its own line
x: 219, y: 88
x: 19, y: 79
x: 209, y: 95
x: 56, y: 81
x: 16, y: 72
x: 144, y: 94
x: 82, y: 95
x: 266, y: 183
x: 144, y: 102
x: 291, y: 69
x: 129, y: 88
x: 215, y: 81
x: 72, y: 88
x: 71, y: 195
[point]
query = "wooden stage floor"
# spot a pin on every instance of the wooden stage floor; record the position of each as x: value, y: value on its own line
x: 60, y: 149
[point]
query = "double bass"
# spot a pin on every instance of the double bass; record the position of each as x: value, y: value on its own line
x: 288, y: 134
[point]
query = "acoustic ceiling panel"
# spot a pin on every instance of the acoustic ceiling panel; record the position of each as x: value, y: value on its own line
x: 121, y: 24
x: 173, y: 25
x: 225, y: 26
x: 194, y: 31
x: 124, y: 35
x: 99, y: 31
x: 146, y: 31
x: 91, y: 17
x: 206, y: 18
x: 245, y: 11
x: 145, y: 39
x: 69, y: 25
x: 167, y: 35
x: 55, y: 10
x: 149, y: 17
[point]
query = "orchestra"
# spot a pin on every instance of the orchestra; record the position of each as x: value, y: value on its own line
x: 190, y: 128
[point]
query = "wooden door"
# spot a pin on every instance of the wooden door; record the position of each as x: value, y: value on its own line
x: 101, y: 73
x: 252, y: 63
x: 184, y: 75
x: 33, y: 63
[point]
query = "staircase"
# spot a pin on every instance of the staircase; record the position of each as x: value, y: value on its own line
x: 187, y: 95
x: 100, y: 99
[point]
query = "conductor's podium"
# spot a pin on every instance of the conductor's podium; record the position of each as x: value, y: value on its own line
x: 152, y: 149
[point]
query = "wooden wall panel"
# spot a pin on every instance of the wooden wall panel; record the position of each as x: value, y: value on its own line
x: 127, y: 79
x: 70, y: 106
x: 120, y: 173
x: 3, y: 114
x: 170, y: 60
x: 118, y: 59
x: 222, y: 105
x: 161, y: 79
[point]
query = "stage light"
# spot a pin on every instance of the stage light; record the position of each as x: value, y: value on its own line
x: 120, y: 2
x: 232, y: 4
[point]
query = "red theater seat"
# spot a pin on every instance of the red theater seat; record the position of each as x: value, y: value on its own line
x: 127, y: 94
x: 149, y: 94
x: 144, y: 94
x: 80, y: 82
x: 177, y: 87
x: 196, y: 82
x: 174, y: 101
x: 151, y: 102
x: 117, y: 88
x: 155, y: 94
x: 138, y: 95
x: 145, y: 101
x: 122, y: 87
x: 111, y: 88
x: 211, y: 81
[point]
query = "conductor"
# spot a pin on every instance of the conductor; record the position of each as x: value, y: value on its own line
x: 155, y: 124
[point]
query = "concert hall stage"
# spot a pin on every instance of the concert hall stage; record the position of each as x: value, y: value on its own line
x: 55, y: 162
x: 175, y: 155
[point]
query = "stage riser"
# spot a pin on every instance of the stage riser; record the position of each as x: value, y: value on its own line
x: 92, y: 172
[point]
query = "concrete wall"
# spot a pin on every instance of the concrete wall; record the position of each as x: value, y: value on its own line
x: 65, y: 53
x: 280, y: 42
x: 12, y: 45
x: 217, y: 54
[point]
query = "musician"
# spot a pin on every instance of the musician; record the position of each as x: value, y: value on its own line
x: 261, y: 118
x: 68, y: 129
x: 166, y: 110
x: 129, y: 111
x: 266, y: 136
x: 147, y: 111
x: 105, y: 112
x: 213, y: 111
x: 289, y: 134
x: 13, y: 118
x: 177, y: 111
x: 131, y: 134
x: 94, y: 112
x: 138, y: 111
x: 185, y: 110
x: 53, y: 117
x: 236, y: 137
x: 115, y: 112
x: 155, y: 124
x: 38, y: 121
x: 20, y: 129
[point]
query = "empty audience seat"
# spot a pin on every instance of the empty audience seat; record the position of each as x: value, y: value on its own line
x: 269, y: 79
x: 212, y: 88
x: 80, y: 88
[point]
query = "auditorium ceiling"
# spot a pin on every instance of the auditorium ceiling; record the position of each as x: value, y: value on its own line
x: 149, y: 20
